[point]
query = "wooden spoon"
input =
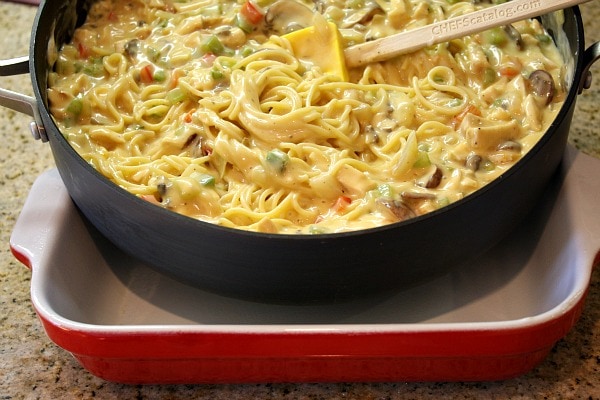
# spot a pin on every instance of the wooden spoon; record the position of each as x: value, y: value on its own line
x: 444, y: 31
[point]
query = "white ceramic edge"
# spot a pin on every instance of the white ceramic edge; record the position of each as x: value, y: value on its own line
x: 582, y: 186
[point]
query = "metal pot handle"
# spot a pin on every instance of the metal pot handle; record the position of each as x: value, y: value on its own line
x: 590, y: 56
x: 20, y: 102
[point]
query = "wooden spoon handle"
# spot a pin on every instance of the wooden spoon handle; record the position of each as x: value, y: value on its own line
x: 443, y: 31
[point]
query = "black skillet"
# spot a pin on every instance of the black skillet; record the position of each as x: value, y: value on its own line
x: 300, y: 268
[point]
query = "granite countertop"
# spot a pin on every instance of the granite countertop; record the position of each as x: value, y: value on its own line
x: 33, y: 367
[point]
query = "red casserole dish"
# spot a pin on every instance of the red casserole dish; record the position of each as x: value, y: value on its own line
x: 494, y: 318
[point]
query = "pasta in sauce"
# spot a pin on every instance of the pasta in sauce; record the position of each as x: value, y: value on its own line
x: 203, y: 108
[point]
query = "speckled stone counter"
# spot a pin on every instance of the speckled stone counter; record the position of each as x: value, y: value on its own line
x: 32, y: 367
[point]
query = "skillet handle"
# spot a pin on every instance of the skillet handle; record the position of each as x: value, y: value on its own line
x: 20, y: 102
x: 591, y: 55
x: 14, y: 66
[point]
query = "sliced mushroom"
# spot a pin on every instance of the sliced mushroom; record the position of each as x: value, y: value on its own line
x: 285, y: 16
x: 395, y: 209
x: 412, y: 196
x: 161, y: 191
x: 197, y: 146
x: 473, y: 162
x: 432, y: 178
x: 515, y: 35
x: 542, y: 85
x: 510, y: 145
x: 320, y: 6
x: 362, y: 15
x: 418, y: 202
x: 132, y: 48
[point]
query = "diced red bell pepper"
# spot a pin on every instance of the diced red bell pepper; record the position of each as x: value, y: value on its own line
x: 341, y: 204
x: 147, y: 74
x: 470, y: 109
x: 84, y: 51
x: 251, y: 12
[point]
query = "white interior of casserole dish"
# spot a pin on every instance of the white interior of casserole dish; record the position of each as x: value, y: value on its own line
x: 81, y: 282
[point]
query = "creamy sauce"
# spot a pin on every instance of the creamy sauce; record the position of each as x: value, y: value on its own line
x: 207, y: 109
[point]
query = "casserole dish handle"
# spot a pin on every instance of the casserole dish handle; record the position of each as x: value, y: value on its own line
x: 590, y: 56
